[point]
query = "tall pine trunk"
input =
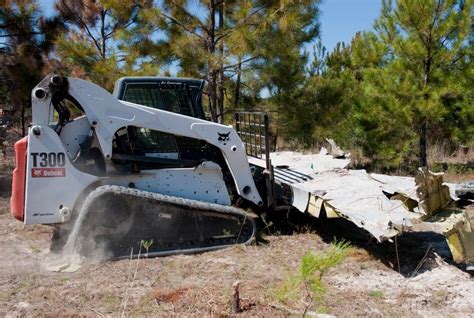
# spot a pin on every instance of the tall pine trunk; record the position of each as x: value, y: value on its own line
x: 237, y: 85
x: 212, y: 79
x: 424, y: 121
x: 423, y: 157
x: 212, y: 74
x: 221, y: 92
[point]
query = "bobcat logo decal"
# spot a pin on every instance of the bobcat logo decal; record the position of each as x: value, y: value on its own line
x: 223, y: 137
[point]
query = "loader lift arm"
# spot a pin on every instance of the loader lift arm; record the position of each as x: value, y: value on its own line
x: 107, y: 115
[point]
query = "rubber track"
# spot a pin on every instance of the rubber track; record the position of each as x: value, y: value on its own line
x: 193, y: 204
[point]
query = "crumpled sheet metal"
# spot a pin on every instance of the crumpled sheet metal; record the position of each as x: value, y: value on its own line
x: 397, y: 185
x: 433, y: 194
x: 358, y: 196
x: 465, y: 190
x: 460, y: 239
x: 335, y: 150
x: 310, y: 163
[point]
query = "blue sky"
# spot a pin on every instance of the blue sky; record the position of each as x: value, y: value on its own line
x: 340, y: 19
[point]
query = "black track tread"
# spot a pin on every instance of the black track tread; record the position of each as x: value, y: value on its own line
x: 193, y: 204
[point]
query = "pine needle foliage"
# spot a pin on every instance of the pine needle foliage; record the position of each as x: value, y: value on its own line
x: 393, y: 92
x: 27, y: 41
x: 238, y: 46
x: 306, y: 285
x: 96, y: 46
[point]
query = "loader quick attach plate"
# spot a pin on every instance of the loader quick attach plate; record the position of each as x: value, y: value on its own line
x: 121, y: 222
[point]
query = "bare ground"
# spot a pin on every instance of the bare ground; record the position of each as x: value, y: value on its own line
x: 200, y: 285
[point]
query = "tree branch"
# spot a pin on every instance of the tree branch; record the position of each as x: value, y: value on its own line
x: 241, y: 22
x: 180, y: 24
x: 83, y: 24
x: 183, y: 10
x: 20, y: 34
x: 241, y: 62
x: 103, y: 13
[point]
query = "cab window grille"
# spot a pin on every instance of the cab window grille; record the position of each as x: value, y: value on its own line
x: 173, y: 99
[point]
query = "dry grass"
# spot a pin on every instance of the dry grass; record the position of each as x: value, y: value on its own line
x: 4, y: 205
x: 168, y: 296
x: 446, y: 154
x: 360, y: 255
x: 200, y: 285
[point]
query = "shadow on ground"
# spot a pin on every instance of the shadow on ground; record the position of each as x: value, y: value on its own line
x: 411, y: 253
x: 5, y: 184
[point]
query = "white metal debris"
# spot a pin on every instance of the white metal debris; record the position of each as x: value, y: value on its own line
x: 308, y: 163
x: 395, y: 184
x: 383, y: 205
x: 355, y: 195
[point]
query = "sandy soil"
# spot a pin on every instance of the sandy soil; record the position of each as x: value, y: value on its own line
x: 365, y: 284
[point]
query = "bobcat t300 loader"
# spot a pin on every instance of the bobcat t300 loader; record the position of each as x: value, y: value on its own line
x: 117, y: 173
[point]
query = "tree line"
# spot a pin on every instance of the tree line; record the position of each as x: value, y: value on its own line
x: 390, y: 93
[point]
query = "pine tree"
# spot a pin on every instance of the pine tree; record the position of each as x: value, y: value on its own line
x: 328, y: 100
x: 94, y: 46
x: 224, y: 41
x: 426, y: 40
x: 29, y: 39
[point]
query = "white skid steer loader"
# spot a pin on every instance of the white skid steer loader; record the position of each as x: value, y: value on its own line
x: 106, y: 168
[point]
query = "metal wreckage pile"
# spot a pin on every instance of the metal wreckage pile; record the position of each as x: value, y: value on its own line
x: 383, y: 205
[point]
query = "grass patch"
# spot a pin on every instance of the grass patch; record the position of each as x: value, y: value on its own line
x: 63, y: 280
x: 439, y: 298
x: 452, y: 168
x: 25, y: 284
x: 34, y: 248
x: 5, y: 296
x: 376, y: 294
x: 110, y: 302
x: 306, y: 284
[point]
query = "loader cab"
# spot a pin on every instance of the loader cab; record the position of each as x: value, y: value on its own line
x: 178, y: 95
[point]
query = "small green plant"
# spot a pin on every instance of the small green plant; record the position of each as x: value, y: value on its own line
x: 34, y: 249
x: 5, y: 295
x: 376, y: 294
x: 63, y: 280
x: 439, y: 297
x: 146, y: 245
x: 110, y: 302
x: 308, y: 280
